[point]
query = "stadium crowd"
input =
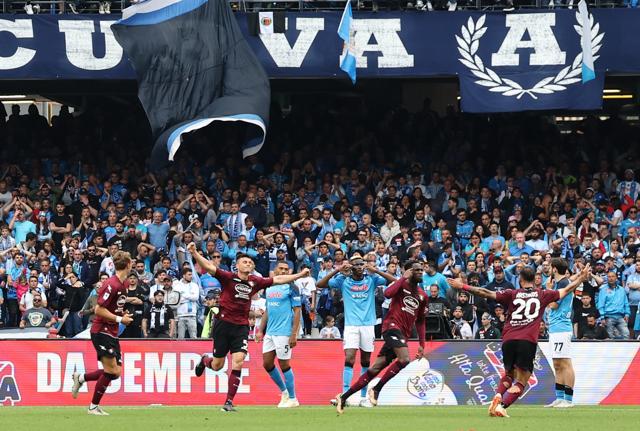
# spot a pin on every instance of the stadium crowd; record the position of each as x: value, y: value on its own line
x: 474, y: 197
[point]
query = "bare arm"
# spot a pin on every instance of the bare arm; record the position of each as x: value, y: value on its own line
x: 204, y: 263
x: 293, y: 339
x: 172, y: 328
x: 584, y: 275
x: 263, y: 326
x: 324, y: 282
x: 390, y: 278
x: 284, y: 279
x: 457, y: 283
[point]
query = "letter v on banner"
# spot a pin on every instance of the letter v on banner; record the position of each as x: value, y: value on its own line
x: 348, y: 60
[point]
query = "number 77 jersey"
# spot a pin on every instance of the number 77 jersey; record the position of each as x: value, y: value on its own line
x: 525, y: 308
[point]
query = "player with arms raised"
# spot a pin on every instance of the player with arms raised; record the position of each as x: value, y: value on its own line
x: 408, y: 308
x: 280, y: 325
x: 231, y: 329
x: 525, y: 309
x: 109, y: 311
x: 358, y: 295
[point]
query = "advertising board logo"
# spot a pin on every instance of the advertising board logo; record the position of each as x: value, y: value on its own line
x: 426, y: 386
x: 9, y: 391
x: 546, y: 52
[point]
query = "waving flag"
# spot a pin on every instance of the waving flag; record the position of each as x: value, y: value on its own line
x: 348, y: 61
x: 193, y: 67
x: 588, y: 71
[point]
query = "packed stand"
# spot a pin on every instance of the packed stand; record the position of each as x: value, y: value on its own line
x: 474, y: 197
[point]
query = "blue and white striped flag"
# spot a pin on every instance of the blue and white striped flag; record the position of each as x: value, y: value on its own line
x: 348, y: 62
x: 588, y: 71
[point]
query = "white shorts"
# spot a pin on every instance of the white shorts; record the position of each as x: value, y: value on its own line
x: 359, y: 337
x: 279, y: 343
x: 560, y: 344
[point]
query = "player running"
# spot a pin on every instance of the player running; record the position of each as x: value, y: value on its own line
x: 525, y: 308
x: 358, y: 295
x: 231, y: 328
x: 280, y: 325
x: 408, y: 308
x: 560, y: 334
x: 110, y: 312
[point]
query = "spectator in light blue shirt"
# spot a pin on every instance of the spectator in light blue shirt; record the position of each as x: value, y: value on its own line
x: 494, y: 228
x: 613, y: 305
x: 158, y: 231
x: 432, y: 276
x: 464, y: 228
x: 520, y: 246
x: 632, y: 287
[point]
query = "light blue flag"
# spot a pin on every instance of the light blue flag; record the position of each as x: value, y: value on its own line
x: 588, y: 70
x: 348, y: 63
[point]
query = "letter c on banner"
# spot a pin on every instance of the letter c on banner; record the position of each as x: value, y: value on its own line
x: 21, y: 29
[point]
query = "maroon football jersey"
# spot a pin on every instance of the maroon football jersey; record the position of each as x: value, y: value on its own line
x: 407, y: 308
x: 525, y: 308
x: 112, y: 296
x: 235, y: 298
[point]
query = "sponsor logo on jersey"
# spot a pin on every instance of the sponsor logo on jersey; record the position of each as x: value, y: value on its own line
x: 359, y: 287
x: 243, y: 291
x: 411, y: 304
x: 275, y: 294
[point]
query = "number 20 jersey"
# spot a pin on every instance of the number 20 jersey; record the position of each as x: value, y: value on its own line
x: 525, y: 309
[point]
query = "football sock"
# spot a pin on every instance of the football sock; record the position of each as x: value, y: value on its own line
x: 559, y: 391
x: 363, y: 391
x: 361, y: 383
x: 505, y: 383
x: 234, y: 382
x: 207, y: 361
x: 101, y: 387
x: 290, y: 383
x: 92, y: 376
x: 275, y: 375
x: 347, y: 376
x: 391, y: 372
x: 510, y: 397
x: 568, y: 393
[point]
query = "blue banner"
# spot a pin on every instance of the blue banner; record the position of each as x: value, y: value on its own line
x: 505, y: 61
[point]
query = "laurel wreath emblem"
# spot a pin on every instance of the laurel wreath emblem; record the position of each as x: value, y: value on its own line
x: 468, y: 46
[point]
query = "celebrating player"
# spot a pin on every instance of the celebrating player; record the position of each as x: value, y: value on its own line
x: 231, y: 329
x: 560, y: 333
x: 358, y: 295
x: 525, y: 307
x: 408, y: 308
x: 109, y: 311
x: 282, y: 323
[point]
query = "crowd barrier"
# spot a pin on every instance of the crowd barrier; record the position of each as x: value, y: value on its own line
x: 38, y: 372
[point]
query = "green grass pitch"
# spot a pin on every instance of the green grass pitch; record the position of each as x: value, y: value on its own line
x: 247, y: 418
